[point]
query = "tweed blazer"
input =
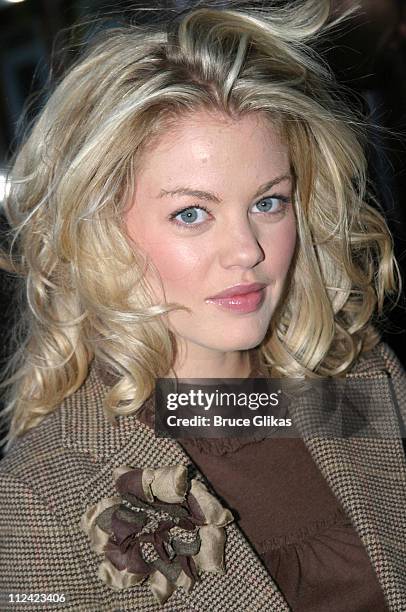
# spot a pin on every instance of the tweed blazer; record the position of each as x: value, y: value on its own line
x: 64, y: 465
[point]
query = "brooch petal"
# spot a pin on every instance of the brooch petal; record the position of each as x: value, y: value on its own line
x: 161, y: 529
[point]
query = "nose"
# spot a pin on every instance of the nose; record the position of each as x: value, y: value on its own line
x: 240, y: 246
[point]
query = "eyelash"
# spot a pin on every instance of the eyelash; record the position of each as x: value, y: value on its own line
x: 283, y: 199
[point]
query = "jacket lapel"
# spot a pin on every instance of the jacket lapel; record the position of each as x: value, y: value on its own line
x: 367, y: 473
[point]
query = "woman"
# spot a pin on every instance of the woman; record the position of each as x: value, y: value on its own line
x: 191, y: 203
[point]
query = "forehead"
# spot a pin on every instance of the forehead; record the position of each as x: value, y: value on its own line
x: 204, y: 140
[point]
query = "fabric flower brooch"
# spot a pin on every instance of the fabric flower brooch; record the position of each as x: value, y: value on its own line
x: 160, y: 527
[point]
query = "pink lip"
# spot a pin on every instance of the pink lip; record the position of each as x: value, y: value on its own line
x: 241, y: 298
x: 238, y: 290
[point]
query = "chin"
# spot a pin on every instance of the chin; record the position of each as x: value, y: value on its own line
x: 243, y: 342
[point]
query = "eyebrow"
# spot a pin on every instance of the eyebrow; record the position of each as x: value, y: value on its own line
x: 212, y: 197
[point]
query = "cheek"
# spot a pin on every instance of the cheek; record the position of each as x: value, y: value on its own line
x: 176, y: 262
x: 174, y: 259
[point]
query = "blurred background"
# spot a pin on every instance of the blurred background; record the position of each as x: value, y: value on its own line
x: 39, y: 38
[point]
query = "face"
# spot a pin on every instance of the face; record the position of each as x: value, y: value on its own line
x: 212, y: 210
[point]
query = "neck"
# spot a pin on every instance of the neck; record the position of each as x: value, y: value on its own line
x: 236, y: 364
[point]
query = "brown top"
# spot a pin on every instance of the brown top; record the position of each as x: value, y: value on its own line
x: 291, y: 517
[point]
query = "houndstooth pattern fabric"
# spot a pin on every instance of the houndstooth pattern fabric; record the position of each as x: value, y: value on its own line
x: 55, y: 471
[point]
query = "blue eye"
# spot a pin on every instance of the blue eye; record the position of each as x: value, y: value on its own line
x: 195, y: 216
x: 190, y: 216
x: 273, y: 205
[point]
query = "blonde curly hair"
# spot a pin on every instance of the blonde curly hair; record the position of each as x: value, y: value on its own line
x: 85, y: 292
